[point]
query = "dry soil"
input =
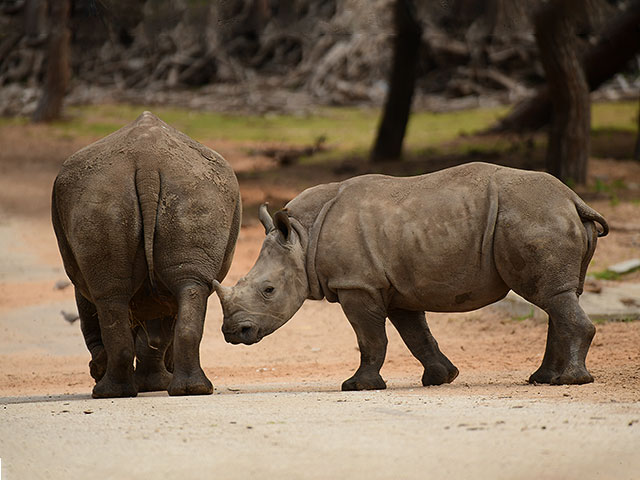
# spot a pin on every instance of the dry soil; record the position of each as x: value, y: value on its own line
x: 277, y: 411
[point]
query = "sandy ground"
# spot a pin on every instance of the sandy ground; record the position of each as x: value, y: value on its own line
x: 277, y: 411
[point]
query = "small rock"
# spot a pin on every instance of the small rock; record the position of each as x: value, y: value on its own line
x: 70, y: 317
x: 61, y: 284
x: 625, y: 267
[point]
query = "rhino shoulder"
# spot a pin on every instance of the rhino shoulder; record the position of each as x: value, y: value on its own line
x: 307, y: 205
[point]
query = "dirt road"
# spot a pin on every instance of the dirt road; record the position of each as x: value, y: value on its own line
x: 318, y: 434
x: 277, y: 411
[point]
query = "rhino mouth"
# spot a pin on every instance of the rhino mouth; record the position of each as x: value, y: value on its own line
x: 245, y: 332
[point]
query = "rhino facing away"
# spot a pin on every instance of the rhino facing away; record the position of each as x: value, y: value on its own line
x: 146, y: 221
x: 451, y: 241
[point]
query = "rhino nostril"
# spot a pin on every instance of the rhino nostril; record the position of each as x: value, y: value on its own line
x: 245, y: 330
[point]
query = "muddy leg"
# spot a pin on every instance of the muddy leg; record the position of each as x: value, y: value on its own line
x: 552, y: 360
x: 415, y: 332
x: 368, y: 323
x: 90, y: 327
x: 188, y: 376
x: 118, y: 343
x: 568, y: 340
x: 152, y: 343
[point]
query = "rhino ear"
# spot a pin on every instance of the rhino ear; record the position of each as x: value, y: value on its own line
x: 282, y: 223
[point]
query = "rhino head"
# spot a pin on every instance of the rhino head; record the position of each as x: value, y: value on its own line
x: 273, y: 290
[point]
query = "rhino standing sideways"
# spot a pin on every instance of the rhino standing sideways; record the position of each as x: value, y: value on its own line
x: 146, y: 221
x: 450, y: 241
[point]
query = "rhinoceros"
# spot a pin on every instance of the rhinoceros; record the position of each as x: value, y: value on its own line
x: 146, y: 221
x: 451, y: 241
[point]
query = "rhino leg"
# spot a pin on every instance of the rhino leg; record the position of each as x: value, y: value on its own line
x: 568, y: 340
x: 152, y: 343
x: 188, y: 376
x: 546, y: 266
x: 369, y: 325
x: 90, y: 327
x: 413, y: 328
x: 117, y: 338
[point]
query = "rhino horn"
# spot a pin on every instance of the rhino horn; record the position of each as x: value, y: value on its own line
x: 224, y: 293
x: 265, y: 218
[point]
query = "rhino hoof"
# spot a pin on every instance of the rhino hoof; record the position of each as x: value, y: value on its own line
x: 570, y: 376
x: 542, y: 376
x: 565, y: 379
x: 194, y: 385
x: 106, y: 388
x: 364, y: 383
x: 438, y: 374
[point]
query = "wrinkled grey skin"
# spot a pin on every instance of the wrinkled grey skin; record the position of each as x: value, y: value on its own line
x: 451, y: 241
x: 146, y: 221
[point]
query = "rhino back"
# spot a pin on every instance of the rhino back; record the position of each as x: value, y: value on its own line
x: 148, y: 143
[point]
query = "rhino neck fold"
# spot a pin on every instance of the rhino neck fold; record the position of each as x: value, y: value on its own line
x: 312, y: 235
x: 312, y: 280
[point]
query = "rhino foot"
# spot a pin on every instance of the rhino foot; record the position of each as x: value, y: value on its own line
x: 542, y: 375
x: 364, y: 382
x: 439, y: 373
x: 106, y: 388
x: 153, y: 382
x: 569, y: 376
x: 196, y: 384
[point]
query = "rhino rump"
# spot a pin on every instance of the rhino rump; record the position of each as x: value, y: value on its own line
x: 99, y: 199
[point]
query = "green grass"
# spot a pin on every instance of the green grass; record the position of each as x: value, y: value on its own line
x: 529, y: 315
x: 611, y: 189
x: 349, y: 131
x: 435, y: 128
x: 615, y: 116
x: 606, y: 275
x: 603, y: 320
x: 13, y: 121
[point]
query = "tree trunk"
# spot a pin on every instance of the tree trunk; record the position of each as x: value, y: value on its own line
x: 388, y: 144
x: 618, y: 43
x: 35, y: 20
x: 636, y: 152
x: 58, y: 72
x: 568, y: 147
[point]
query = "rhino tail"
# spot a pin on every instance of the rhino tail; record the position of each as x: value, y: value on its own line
x: 587, y: 213
x: 148, y: 191
x: 589, y: 217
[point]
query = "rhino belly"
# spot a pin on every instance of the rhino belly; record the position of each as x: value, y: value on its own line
x: 462, y: 292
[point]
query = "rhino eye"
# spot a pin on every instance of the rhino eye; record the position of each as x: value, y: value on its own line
x: 269, y: 290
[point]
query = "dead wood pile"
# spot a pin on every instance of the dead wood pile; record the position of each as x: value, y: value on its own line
x: 260, y: 55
